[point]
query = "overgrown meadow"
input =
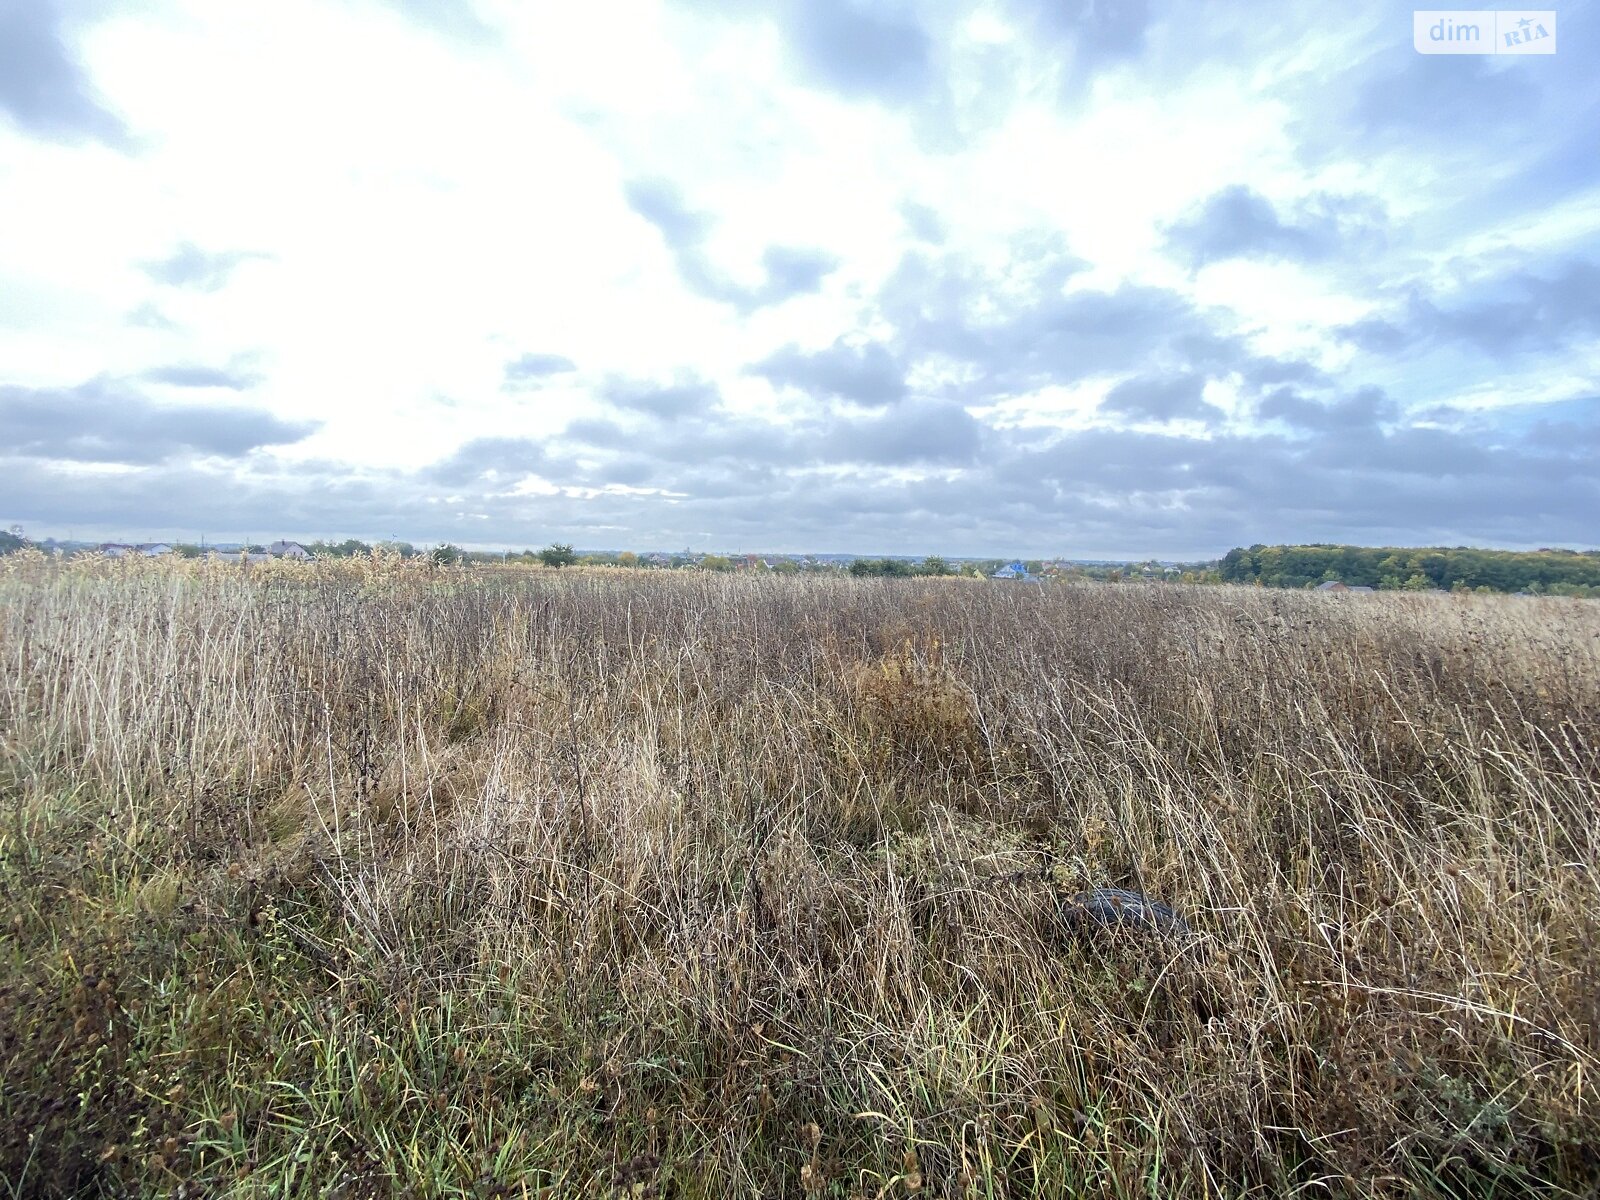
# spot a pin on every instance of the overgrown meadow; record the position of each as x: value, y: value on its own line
x: 374, y: 879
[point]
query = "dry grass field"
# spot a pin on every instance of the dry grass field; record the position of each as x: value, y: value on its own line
x: 375, y: 879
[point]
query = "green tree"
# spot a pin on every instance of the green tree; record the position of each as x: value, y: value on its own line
x: 1391, y: 567
x: 445, y: 554
x: 558, y: 554
x: 349, y: 548
x: 894, y: 568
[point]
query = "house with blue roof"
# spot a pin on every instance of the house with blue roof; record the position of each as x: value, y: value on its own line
x: 1015, y: 570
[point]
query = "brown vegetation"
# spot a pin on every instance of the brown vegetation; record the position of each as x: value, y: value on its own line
x: 361, y: 879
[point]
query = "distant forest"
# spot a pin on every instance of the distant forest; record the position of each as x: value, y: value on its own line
x: 1560, y: 572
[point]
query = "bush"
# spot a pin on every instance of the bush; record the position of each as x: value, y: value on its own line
x: 558, y: 555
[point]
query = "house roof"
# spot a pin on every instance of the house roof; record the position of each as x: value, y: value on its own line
x: 1015, y: 570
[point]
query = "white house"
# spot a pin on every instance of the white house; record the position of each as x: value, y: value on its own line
x: 1015, y: 570
x: 124, y: 550
x: 289, y: 550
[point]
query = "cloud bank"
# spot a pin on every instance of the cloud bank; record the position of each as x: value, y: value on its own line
x: 1068, y: 278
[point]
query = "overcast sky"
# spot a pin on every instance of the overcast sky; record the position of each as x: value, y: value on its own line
x: 1071, y: 277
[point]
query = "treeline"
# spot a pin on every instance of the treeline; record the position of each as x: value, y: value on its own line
x: 356, y: 548
x: 445, y: 553
x: 1460, y: 568
x: 900, y: 568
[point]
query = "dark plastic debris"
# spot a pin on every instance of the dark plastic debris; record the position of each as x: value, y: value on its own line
x: 1110, y: 908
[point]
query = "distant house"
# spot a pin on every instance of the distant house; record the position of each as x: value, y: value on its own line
x: 1015, y: 570
x: 289, y: 550
x: 125, y: 550
x: 1333, y: 585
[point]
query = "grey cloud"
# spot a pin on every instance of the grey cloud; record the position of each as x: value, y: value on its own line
x: 1570, y: 436
x: 630, y: 470
x: 754, y: 486
x: 923, y: 222
x: 188, y: 266
x: 792, y: 271
x: 1100, y: 33
x: 704, y: 442
x: 308, y: 500
x: 1238, y: 222
x: 1358, y: 485
x: 1264, y: 371
x: 105, y: 421
x: 1085, y: 333
x: 1105, y: 28
x: 1515, y: 313
x: 599, y: 433
x: 491, y: 460
x: 1380, y: 335
x: 663, y: 401
x: 789, y: 271
x: 190, y: 376
x: 860, y: 49
x: 1013, y: 327
x: 531, y: 368
x: 1414, y: 452
x: 43, y: 89
x: 1425, y: 98
x: 696, y: 442
x: 663, y: 205
x: 919, y: 432
x: 865, y: 374
x: 1365, y: 409
x: 1161, y: 398
x: 150, y: 316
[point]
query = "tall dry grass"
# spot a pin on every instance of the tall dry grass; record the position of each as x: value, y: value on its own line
x: 374, y: 879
